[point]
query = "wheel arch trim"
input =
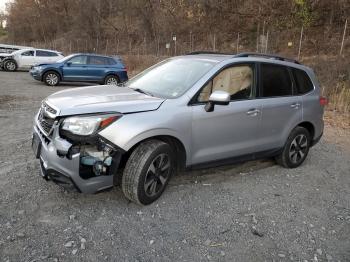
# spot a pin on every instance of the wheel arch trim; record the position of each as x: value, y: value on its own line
x: 163, y: 134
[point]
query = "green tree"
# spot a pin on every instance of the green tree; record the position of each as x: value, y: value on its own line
x: 304, y: 12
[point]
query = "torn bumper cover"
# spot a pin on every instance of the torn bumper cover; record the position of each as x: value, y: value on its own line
x: 85, y: 168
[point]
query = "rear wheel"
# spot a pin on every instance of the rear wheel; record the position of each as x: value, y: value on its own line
x: 51, y: 78
x: 296, y: 148
x: 148, y: 171
x: 10, y: 65
x: 111, y: 80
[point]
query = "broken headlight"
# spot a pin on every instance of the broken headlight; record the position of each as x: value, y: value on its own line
x: 88, y: 125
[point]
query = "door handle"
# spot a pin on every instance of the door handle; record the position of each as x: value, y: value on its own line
x: 295, y: 105
x: 253, y: 112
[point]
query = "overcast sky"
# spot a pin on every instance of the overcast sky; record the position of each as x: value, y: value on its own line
x: 2, y: 4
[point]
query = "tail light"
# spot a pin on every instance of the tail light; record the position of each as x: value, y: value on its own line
x: 323, y: 101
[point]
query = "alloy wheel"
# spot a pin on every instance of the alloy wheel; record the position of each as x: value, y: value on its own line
x: 112, y: 81
x: 157, y: 175
x: 298, y: 149
x: 10, y: 66
x: 52, y: 79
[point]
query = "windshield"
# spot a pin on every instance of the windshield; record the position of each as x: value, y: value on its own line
x: 65, y: 58
x: 171, y: 78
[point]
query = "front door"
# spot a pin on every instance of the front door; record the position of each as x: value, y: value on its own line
x: 230, y: 130
x: 27, y: 59
x: 75, y: 69
x: 44, y: 57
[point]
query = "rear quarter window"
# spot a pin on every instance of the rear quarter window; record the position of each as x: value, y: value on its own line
x: 303, y: 82
x: 112, y: 61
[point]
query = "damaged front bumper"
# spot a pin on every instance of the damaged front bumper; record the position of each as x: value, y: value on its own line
x: 86, y: 168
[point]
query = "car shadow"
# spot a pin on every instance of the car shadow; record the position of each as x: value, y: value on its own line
x: 219, y: 173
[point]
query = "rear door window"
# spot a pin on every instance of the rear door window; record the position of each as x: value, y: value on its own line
x: 275, y: 81
x: 98, y: 60
x: 303, y: 82
x: 42, y: 53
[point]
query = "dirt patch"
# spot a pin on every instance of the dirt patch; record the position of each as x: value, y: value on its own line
x: 10, y: 100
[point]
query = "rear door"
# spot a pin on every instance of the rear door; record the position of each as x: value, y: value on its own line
x: 45, y: 57
x: 230, y: 130
x: 98, y: 66
x: 281, y: 106
x: 75, y: 69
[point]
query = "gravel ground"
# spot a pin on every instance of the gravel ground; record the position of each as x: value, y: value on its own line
x: 256, y: 211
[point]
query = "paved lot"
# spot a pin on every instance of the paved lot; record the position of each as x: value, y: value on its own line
x: 255, y: 211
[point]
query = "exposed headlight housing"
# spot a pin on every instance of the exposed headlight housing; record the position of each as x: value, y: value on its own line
x: 88, y: 125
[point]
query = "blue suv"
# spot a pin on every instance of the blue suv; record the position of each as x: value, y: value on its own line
x: 82, y: 68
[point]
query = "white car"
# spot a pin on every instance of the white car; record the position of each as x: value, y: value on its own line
x: 26, y: 58
x: 11, y: 48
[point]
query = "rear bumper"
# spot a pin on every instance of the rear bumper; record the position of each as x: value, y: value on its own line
x: 66, y: 172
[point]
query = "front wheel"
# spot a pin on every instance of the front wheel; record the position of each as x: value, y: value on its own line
x: 51, y: 78
x: 296, y: 148
x: 10, y: 65
x: 148, y: 171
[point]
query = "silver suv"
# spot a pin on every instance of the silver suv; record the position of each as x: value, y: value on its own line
x: 190, y: 111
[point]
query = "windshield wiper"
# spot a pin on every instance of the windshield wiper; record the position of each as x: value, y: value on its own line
x: 143, y: 91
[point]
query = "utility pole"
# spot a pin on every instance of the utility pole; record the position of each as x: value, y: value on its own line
x: 267, y: 41
x: 237, y: 49
x: 301, y: 38
x: 190, y: 41
x: 342, y: 42
x: 214, y: 43
x: 174, y: 39
x: 257, y: 38
x: 157, y: 46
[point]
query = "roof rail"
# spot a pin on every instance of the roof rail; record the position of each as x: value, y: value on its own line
x: 248, y: 54
x: 207, y: 53
x: 267, y: 56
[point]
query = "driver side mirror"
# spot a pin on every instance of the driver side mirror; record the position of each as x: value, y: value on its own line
x: 69, y: 63
x: 217, y: 98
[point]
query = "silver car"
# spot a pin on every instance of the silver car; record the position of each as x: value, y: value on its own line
x: 191, y: 111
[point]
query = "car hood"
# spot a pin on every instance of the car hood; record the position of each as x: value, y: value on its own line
x: 97, y: 99
x: 53, y: 64
x: 4, y: 54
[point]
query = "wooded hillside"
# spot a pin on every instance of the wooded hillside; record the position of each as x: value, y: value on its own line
x: 145, y: 26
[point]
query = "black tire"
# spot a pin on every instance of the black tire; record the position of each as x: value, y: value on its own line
x: 140, y: 183
x: 296, y: 148
x: 111, y: 80
x: 51, y: 78
x: 10, y: 65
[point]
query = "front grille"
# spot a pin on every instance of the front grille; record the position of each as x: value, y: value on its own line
x: 45, y: 121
